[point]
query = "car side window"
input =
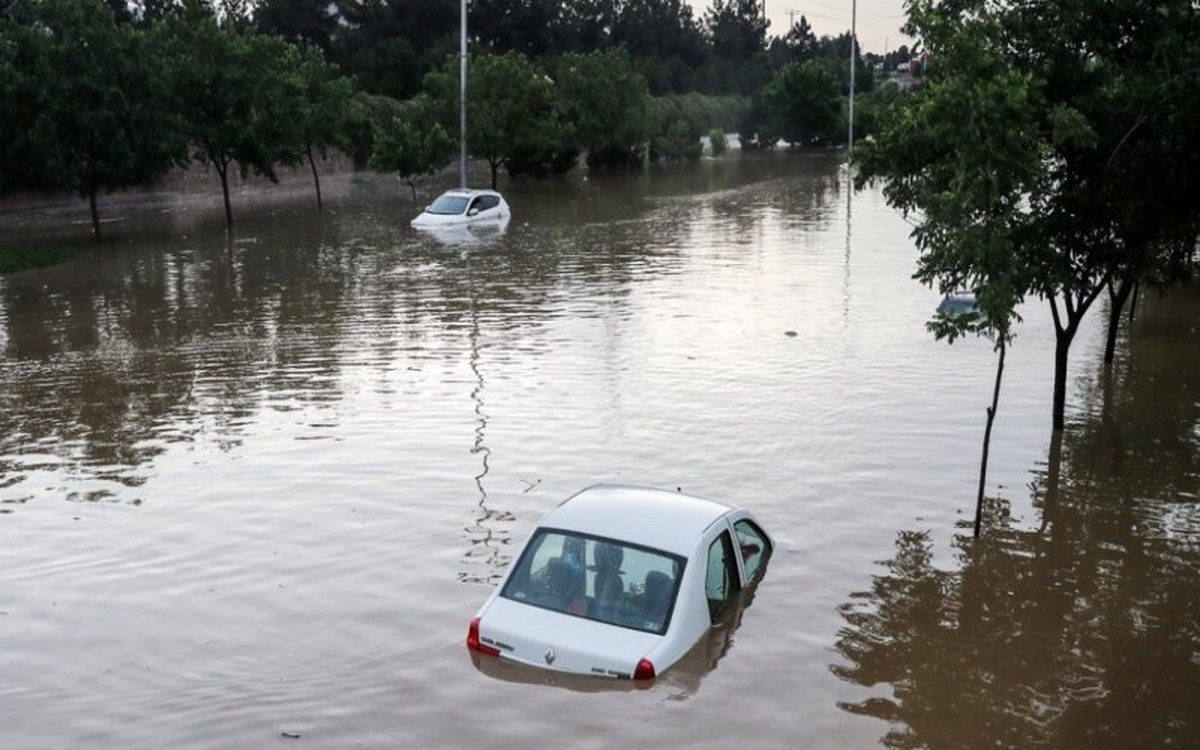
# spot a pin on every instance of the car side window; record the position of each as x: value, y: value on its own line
x: 754, y: 547
x: 721, y: 582
x: 487, y: 201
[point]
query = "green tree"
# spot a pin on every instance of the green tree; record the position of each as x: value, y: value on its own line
x: 802, y: 104
x: 872, y: 109
x: 664, y: 39
x: 588, y: 24
x: 241, y: 97
x: 1033, y: 154
x: 512, y: 110
x: 737, y: 29
x: 325, y: 110
x: 311, y: 23
x: 530, y: 27
x: 834, y: 53
x: 801, y: 42
x: 514, y: 116
x: 85, y: 105
x: 413, y: 145
x: 388, y: 47
x: 737, y: 37
x: 607, y: 102
x: 675, y: 141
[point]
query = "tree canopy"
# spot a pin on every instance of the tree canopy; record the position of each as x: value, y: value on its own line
x: 1047, y: 154
x: 253, y: 86
x: 85, y: 104
x: 244, y: 94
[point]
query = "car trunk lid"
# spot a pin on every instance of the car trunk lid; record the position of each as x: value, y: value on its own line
x: 563, y: 642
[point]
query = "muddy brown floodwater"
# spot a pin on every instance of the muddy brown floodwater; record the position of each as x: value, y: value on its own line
x: 253, y: 486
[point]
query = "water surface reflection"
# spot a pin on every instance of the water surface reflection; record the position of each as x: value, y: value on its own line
x: 1080, y: 631
x: 257, y: 483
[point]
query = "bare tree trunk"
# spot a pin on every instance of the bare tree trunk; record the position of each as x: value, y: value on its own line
x: 987, y: 436
x: 316, y: 177
x: 1062, y: 350
x: 1064, y: 334
x: 95, y: 214
x: 223, y: 171
x: 1117, y: 298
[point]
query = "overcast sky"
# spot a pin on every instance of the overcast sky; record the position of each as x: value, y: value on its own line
x: 877, y: 22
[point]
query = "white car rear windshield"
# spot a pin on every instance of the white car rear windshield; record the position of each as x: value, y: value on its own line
x: 599, y: 579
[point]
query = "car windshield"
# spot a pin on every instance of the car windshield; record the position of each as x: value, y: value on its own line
x: 449, y: 204
x: 599, y: 579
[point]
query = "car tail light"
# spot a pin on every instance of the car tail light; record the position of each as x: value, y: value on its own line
x: 644, y: 670
x: 475, y: 644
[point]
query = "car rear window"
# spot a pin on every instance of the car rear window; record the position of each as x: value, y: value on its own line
x: 598, y: 579
x: 448, y: 205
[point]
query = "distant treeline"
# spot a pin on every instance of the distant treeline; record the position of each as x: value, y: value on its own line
x: 101, y: 95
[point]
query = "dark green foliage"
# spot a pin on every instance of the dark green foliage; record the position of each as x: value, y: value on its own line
x: 872, y: 110
x: 717, y: 141
x: 515, y: 114
x: 367, y: 113
x: 102, y: 95
x: 737, y: 35
x: 310, y: 23
x: 679, y: 120
x: 678, y: 141
x: 607, y: 102
x: 86, y: 104
x: 802, y: 106
x: 326, y: 116
x: 1050, y: 153
x: 413, y: 144
x: 755, y: 131
x: 665, y: 41
x: 833, y: 53
x: 532, y: 28
x: 737, y: 29
x: 700, y: 111
x: 245, y: 98
x: 388, y: 47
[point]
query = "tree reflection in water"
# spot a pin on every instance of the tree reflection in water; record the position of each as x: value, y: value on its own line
x: 1081, y: 633
x: 1033, y: 643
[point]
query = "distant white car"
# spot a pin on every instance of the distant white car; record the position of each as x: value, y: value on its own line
x: 462, y: 206
x: 620, y: 582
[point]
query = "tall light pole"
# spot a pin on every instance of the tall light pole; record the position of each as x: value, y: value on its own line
x: 853, y: 46
x: 462, y: 95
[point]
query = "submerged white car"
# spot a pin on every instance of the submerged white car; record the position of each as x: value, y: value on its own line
x: 462, y: 206
x: 620, y: 582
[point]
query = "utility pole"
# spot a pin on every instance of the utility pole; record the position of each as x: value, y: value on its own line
x: 462, y: 94
x: 853, y: 46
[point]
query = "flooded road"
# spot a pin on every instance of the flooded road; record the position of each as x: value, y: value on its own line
x: 253, y: 486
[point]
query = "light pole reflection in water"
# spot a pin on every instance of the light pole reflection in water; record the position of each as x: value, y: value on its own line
x: 485, y: 559
x: 849, y: 224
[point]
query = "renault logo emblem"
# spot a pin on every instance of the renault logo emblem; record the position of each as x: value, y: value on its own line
x: 549, y: 656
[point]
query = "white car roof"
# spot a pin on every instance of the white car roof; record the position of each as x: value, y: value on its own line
x: 661, y: 519
x: 470, y: 192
